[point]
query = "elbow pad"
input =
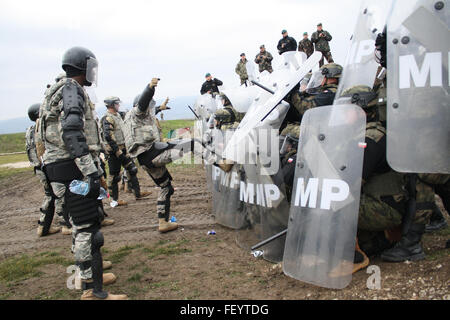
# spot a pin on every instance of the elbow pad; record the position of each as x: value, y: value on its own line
x: 75, y: 143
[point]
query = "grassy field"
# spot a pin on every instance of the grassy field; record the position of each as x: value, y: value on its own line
x: 15, y: 142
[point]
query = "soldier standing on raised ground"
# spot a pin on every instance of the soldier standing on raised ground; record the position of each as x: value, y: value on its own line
x: 320, y: 38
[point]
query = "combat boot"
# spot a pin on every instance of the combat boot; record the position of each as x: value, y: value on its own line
x: 107, y: 222
x: 109, y: 278
x: 107, y: 264
x: 166, y: 226
x: 51, y: 230
x: 143, y: 195
x: 408, y: 248
x: 89, y: 295
x: 66, y: 231
x: 118, y: 203
x: 437, y: 221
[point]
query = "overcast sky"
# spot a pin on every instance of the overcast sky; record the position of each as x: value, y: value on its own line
x: 134, y: 40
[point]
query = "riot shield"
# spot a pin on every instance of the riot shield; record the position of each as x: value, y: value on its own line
x: 323, y: 216
x: 226, y: 203
x: 360, y: 67
x: 282, y: 83
x: 418, y: 113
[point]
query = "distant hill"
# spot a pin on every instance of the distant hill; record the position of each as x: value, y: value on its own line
x: 179, y: 110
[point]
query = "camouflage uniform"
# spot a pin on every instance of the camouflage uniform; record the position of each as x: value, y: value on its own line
x: 112, y: 126
x: 62, y: 168
x: 241, y: 70
x: 306, y: 46
x: 266, y: 62
x: 321, y: 45
x: 50, y: 202
x: 228, y: 118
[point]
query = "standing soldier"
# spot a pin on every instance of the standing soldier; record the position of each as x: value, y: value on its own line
x: 241, y: 69
x: 306, y: 45
x: 210, y: 85
x: 70, y: 134
x: 227, y: 117
x: 112, y: 129
x: 320, y: 38
x: 48, y: 205
x: 264, y: 59
x: 286, y: 43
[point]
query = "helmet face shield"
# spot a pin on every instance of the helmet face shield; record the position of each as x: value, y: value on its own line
x: 92, y: 71
x: 315, y: 81
x: 289, y: 143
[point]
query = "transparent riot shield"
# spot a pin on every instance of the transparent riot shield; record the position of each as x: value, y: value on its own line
x: 226, y: 203
x: 360, y: 67
x: 323, y: 217
x: 418, y: 112
x: 263, y: 192
x: 282, y: 83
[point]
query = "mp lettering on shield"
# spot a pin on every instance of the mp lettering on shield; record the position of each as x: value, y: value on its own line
x: 333, y: 190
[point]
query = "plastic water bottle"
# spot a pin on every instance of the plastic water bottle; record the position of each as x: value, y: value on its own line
x: 82, y: 188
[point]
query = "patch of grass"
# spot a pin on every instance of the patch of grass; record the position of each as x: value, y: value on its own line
x: 13, y: 158
x: 13, y: 142
x: 9, y: 172
x: 5, y: 296
x: 169, y: 249
x: 167, y: 125
x: 436, y: 254
x: 121, y: 253
x: 146, y: 270
x: 195, y: 294
x: 135, y: 277
x: 444, y: 232
x: 25, y: 266
x: 157, y: 285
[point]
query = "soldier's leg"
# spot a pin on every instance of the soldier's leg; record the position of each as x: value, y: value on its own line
x: 131, y: 169
x: 378, y: 215
x: 47, y: 208
x: 329, y: 57
x: 113, y: 181
x: 410, y: 247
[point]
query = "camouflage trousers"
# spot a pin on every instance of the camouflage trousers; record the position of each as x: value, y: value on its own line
x: 325, y: 55
x: 377, y: 215
x: 82, y: 248
x: 48, y: 197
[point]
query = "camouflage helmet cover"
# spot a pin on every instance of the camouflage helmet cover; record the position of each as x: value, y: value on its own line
x: 332, y: 70
x: 109, y: 101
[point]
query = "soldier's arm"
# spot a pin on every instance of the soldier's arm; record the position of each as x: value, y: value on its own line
x: 314, y: 37
x: 374, y: 156
x: 108, y: 133
x: 203, y: 90
x: 145, y: 98
x: 269, y: 57
x: 237, y: 69
x: 294, y: 43
x: 72, y: 124
x: 257, y: 59
x: 328, y: 36
x: 218, y: 82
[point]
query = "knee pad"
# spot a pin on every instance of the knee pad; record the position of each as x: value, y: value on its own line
x: 97, y: 241
x: 132, y: 169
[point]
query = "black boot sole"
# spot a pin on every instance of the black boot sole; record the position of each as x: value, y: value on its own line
x: 415, y: 257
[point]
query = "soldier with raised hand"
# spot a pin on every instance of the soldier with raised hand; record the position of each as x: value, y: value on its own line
x: 241, y: 69
x: 48, y: 205
x: 112, y: 130
x: 69, y: 131
x: 306, y: 46
x: 286, y: 43
x: 321, y: 39
x: 210, y: 85
x: 264, y: 59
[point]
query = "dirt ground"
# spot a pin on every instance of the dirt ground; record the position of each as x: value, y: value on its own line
x: 184, y: 264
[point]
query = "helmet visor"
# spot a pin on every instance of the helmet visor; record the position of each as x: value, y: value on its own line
x: 92, y: 71
x: 315, y: 82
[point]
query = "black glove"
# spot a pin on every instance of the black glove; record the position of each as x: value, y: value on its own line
x: 94, y: 186
x: 124, y: 160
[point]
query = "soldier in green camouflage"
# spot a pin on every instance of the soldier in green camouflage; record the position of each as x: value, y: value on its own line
x: 227, y: 117
x: 264, y: 59
x: 306, y: 46
x: 70, y: 134
x: 320, y: 38
x: 112, y: 133
x: 384, y: 192
x: 48, y: 205
x: 241, y: 69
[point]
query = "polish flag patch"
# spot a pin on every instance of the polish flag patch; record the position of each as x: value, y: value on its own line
x: 362, y: 145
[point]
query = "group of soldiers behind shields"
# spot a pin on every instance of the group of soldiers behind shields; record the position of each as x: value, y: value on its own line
x: 66, y: 142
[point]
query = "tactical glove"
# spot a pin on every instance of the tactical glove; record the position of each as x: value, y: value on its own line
x: 164, y: 105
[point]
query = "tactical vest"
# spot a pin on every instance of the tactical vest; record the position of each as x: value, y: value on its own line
x: 31, y: 147
x: 118, y: 124
x: 50, y: 129
x: 140, y: 130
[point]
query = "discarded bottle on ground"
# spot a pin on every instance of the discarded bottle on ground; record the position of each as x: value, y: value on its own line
x: 82, y: 188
